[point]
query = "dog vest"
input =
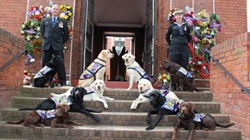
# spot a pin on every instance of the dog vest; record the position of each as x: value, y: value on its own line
x: 46, y: 114
x: 170, y: 105
x: 43, y: 71
x: 164, y: 92
x: 198, y: 117
x: 185, y: 72
x: 63, y: 99
x: 89, y: 90
x: 141, y: 71
x: 92, y: 69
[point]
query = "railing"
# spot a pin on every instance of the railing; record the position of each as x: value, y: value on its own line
x: 13, y: 59
x: 231, y: 76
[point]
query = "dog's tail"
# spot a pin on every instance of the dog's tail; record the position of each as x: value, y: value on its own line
x: 223, y: 125
x: 16, y: 122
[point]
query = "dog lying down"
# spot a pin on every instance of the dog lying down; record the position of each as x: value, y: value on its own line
x: 74, y: 100
x: 144, y: 88
x: 94, y: 92
x: 134, y: 70
x: 189, y: 120
x: 160, y: 106
x: 47, y: 73
x: 56, y: 118
x: 96, y: 69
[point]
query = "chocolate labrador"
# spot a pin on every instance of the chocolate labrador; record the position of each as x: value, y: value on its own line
x: 74, y: 100
x: 56, y: 118
x: 189, y: 120
x: 183, y: 79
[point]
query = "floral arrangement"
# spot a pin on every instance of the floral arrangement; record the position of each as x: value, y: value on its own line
x: 204, y: 29
x: 36, y: 12
x: 66, y: 11
x: 170, y: 17
x: 163, y: 80
x: 30, y: 30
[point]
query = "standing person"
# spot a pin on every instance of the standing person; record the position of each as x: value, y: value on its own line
x: 55, y: 33
x: 177, y: 37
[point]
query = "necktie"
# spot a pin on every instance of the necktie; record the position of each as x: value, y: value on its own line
x: 53, y: 21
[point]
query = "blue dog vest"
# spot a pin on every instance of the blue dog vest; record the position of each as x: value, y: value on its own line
x: 43, y: 71
x: 185, y: 72
x: 92, y: 69
x: 141, y: 71
x: 46, y: 114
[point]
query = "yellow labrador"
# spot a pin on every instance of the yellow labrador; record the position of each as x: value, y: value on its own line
x: 134, y: 70
x: 94, y: 92
x: 96, y: 69
x: 145, y: 87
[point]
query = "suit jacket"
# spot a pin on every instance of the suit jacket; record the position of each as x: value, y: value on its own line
x: 54, y: 36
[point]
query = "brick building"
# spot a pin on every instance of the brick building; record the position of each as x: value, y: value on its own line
x: 146, y: 22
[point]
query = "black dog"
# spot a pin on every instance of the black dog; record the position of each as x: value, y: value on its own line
x: 161, y: 107
x: 47, y: 73
x: 75, y: 101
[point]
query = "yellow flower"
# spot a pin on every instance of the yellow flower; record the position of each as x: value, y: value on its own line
x: 69, y: 14
x: 68, y: 7
x: 61, y: 6
x: 66, y: 17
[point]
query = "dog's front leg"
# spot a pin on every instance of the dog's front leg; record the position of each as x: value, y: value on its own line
x: 191, y: 132
x: 131, y: 81
x: 176, y: 130
x: 148, y: 119
x: 157, y: 120
x: 101, y: 100
x: 108, y: 98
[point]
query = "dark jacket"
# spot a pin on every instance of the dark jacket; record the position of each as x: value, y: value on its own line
x: 180, y: 35
x: 55, y: 36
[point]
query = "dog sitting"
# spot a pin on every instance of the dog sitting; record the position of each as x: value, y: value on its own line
x: 96, y: 69
x: 74, y: 100
x: 160, y: 106
x: 47, y: 73
x: 134, y: 70
x: 94, y: 92
x: 144, y: 88
x: 183, y: 79
x: 191, y: 121
x: 56, y: 118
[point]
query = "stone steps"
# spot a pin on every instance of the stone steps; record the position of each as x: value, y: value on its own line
x: 110, y: 132
x: 118, y: 122
x: 111, y: 118
x: 116, y: 105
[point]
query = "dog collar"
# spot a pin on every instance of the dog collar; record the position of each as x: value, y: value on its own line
x: 101, y: 60
x: 144, y: 91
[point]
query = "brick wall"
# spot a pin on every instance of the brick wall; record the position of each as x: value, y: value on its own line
x: 233, y: 54
x: 12, y: 76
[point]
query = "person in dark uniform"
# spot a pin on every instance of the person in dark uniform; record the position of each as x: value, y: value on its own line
x: 178, y: 36
x: 117, y: 67
x: 55, y: 33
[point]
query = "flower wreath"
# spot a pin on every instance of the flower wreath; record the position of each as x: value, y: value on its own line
x: 205, y: 70
x: 30, y: 30
x: 36, y: 12
x: 170, y: 16
x: 65, y: 12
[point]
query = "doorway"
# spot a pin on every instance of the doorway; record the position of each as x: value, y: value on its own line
x: 119, y: 19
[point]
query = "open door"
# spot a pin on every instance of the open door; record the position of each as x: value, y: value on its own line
x: 150, y: 37
x: 87, y: 34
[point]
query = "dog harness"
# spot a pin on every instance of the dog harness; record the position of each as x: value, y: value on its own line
x: 92, y: 69
x: 188, y: 74
x: 46, y: 114
x: 89, y: 90
x: 170, y: 105
x: 43, y: 71
x: 63, y: 99
x: 164, y: 92
x: 141, y: 71
x: 198, y: 117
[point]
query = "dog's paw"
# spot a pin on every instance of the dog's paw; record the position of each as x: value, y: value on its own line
x: 128, y: 89
x: 112, y: 99
x: 106, y: 106
x: 150, y: 128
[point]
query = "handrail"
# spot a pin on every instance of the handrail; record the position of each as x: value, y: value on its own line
x: 13, y: 59
x: 231, y: 76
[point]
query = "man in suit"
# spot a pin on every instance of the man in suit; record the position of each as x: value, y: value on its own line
x: 55, y: 33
